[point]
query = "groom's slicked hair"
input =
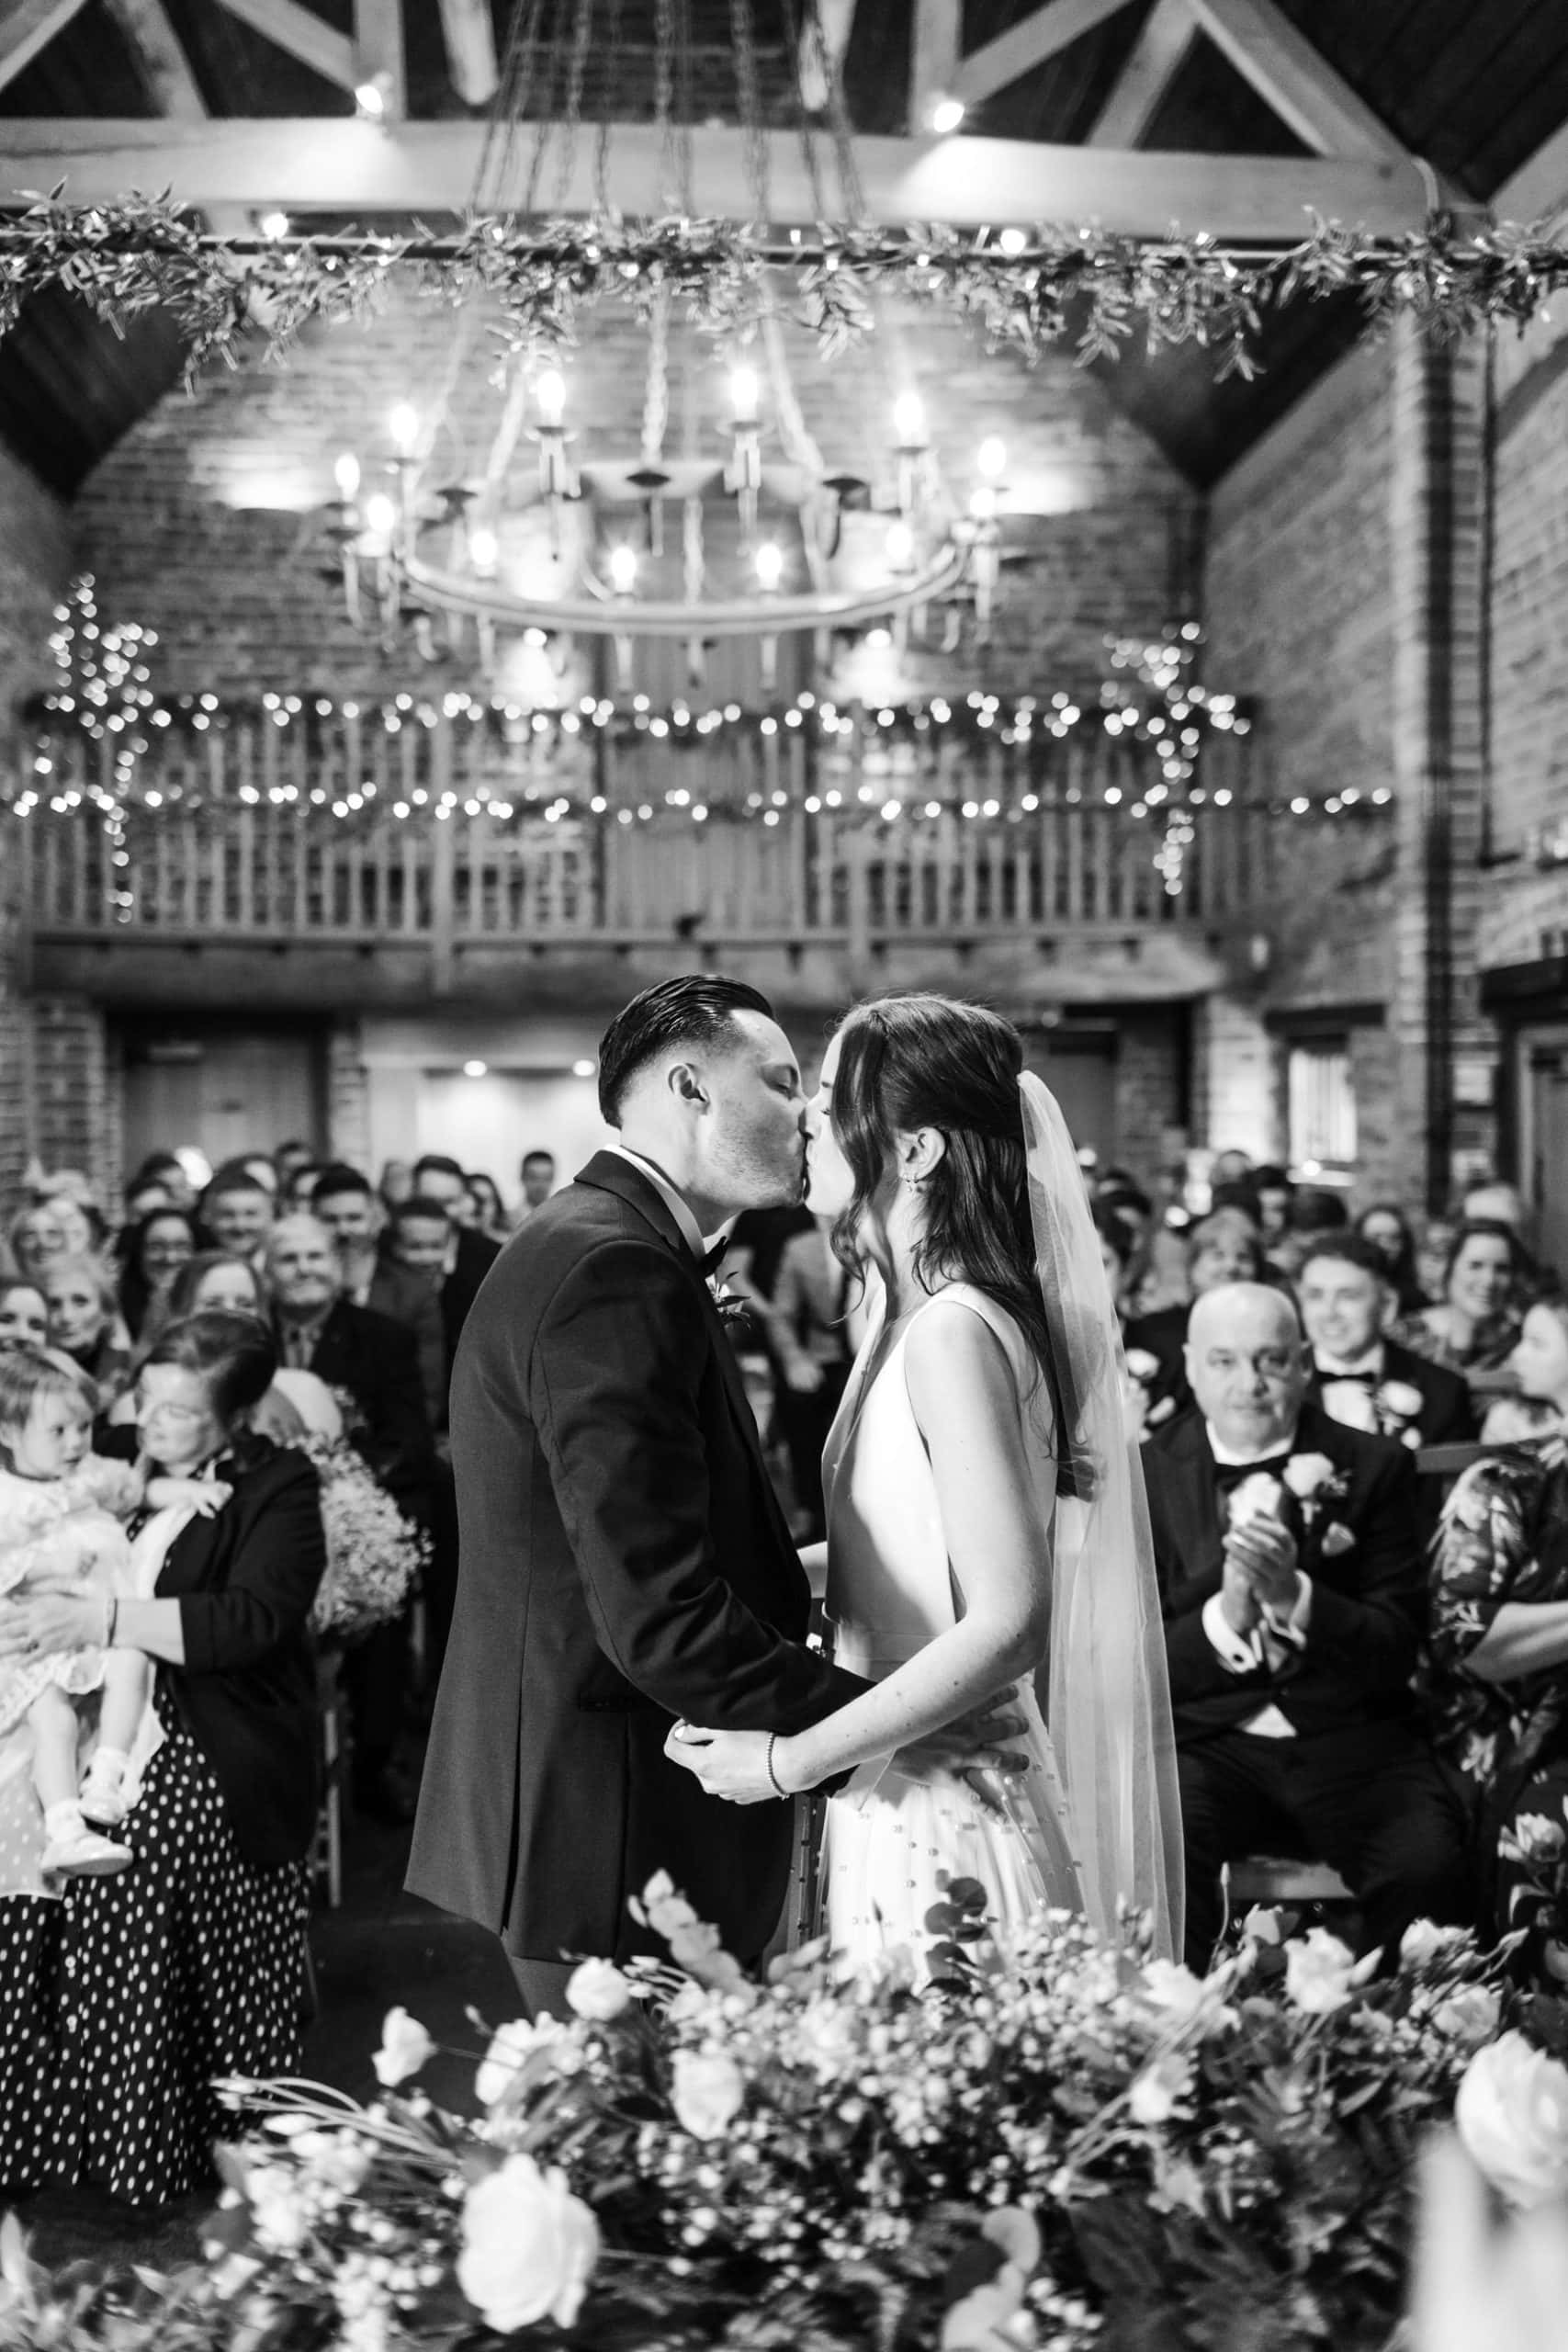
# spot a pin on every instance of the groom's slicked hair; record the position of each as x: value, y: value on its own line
x: 695, y: 1010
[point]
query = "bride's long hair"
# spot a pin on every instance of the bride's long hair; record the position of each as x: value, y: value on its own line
x: 928, y: 1061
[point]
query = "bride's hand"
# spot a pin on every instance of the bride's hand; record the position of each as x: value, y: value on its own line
x: 729, y: 1764
x: 973, y: 1748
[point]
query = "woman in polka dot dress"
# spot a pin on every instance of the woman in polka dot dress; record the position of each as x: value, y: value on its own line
x: 122, y: 2002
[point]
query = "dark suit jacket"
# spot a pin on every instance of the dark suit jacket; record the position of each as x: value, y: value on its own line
x: 1164, y: 1334
x: 1447, y: 1415
x: 476, y: 1254
x: 377, y: 1362
x: 411, y: 1299
x: 1369, y: 1603
x: 246, y: 1580
x: 621, y: 1560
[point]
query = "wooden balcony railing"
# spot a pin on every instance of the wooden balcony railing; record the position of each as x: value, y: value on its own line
x: 248, y: 863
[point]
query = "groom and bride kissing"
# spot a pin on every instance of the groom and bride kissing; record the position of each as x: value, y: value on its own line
x: 629, y: 1687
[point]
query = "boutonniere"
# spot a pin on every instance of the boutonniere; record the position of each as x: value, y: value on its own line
x: 1314, y: 1482
x: 1399, y: 1406
x: 1142, y: 1366
x: 728, y: 1304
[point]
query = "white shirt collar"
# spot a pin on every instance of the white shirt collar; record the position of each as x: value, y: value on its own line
x: 691, y: 1232
x: 1231, y: 1460
x: 1343, y: 1367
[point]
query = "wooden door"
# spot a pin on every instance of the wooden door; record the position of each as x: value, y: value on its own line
x: 224, y: 1088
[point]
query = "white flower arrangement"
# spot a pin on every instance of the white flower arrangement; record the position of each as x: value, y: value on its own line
x: 1084, y: 2145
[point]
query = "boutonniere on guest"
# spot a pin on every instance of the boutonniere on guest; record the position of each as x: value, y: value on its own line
x: 1307, y: 1485
x: 728, y: 1303
x: 1398, y: 1404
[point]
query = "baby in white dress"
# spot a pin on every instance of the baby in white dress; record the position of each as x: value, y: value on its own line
x: 61, y: 1508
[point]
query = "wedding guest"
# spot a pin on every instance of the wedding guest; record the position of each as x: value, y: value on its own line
x: 1433, y: 1243
x: 237, y: 1214
x: 143, y: 1199
x: 37, y: 1235
x: 1293, y: 1615
x: 302, y: 1181
x: 1499, y: 1641
x: 397, y: 1183
x: 83, y: 1323
x: 809, y: 1323
x: 489, y: 1210
x: 1275, y: 1193
x: 24, y: 1313
x: 1475, y: 1324
x: 423, y: 1236
x: 166, y: 1171
x: 1222, y: 1248
x: 154, y: 1251
x: 1360, y: 1375
x: 537, y: 1173
x: 344, y: 1203
x: 287, y: 1160
x: 1230, y: 1167
x: 296, y: 1405
x: 374, y: 1362
x: 436, y: 1177
x: 120, y: 2005
x: 1392, y: 1235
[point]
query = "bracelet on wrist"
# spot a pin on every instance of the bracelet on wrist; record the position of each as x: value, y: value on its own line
x: 772, y: 1775
x: 111, y: 1619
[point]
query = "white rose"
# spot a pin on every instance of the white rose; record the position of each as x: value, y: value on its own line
x: 1157, y: 2091
x: 405, y: 2047
x: 1470, y: 2013
x: 1399, y: 1396
x: 509, y: 2045
x: 1305, y: 1473
x: 707, y: 2092
x: 277, y: 2210
x: 1262, y: 1926
x: 1512, y: 2113
x: 1175, y: 1989
x: 1142, y: 1363
x: 1533, y: 1837
x: 1320, y: 1973
x: 1258, y: 1496
x: 529, y: 2247
x: 597, y: 1990
x: 826, y: 2038
x: 1424, y: 1940
x: 1411, y: 1438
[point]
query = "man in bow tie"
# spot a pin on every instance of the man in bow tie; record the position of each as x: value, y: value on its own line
x: 1361, y: 1378
x: 1294, y: 1600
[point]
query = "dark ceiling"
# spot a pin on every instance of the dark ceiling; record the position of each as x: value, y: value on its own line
x: 1473, y: 86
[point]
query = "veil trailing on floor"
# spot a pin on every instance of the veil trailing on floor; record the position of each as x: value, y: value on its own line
x: 1104, y: 1688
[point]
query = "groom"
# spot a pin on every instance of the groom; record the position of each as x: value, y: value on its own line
x: 623, y: 1558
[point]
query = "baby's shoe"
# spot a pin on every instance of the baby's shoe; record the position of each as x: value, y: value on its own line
x: 103, y: 1788
x: 75, y: 1852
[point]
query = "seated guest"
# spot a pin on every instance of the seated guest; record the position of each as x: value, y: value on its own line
x: 1221, y: 1248
x: 374, y: 1362
x: 236, y: 1213
x: 120, y: 2004
x: 38, y: 1235
x: 152, y: 1255
x: 490, y: 1215
x: 165, y: 1170
x: 1275, y: 1193
x: 287, y: 1158
x: 397, y: 1183
x: 1474, y: 1326
x: 296, y: 1406
x: 1498, y: 1676
x: 1230, y: 1167
x: 24, y: 1315
x: 808, y: 1322
x: 344, y: 1203
x: 1359, y: 1376
x: 1392, y: 1235
x: 83, y: 1323
x: 1294, y: 1600
x: 465, y: 1256
x: 470, y: 1253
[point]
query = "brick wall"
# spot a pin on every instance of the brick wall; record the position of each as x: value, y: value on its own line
x: 1151, y: 1104
x: 206, y: 521
x: 76, y: 1092
x: 35, y: 566
x: 1235, y: 1080
x: 348, y: 1096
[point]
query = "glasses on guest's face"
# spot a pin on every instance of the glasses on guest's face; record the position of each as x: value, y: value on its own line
x: 149, y: 1409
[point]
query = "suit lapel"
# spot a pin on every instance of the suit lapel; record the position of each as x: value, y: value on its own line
x: 611, y: 1173
x: 1196, y: 1505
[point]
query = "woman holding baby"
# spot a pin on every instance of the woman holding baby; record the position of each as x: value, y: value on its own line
x: 122, y: 1996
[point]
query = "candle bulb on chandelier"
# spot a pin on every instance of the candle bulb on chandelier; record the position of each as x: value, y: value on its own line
x: 402, y: 424
x: 909, y: 420
x: 483, y: 548
x: 769, y: 563
x: 745, y: 393
x: 622, y: 568
x: 345, y: 473
x: 549, y: 395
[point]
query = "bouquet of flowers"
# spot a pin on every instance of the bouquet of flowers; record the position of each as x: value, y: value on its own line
x: 1080, y: 2146
x: 373, y: 1552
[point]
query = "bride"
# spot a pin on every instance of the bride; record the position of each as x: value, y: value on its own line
x: 986, y: 1516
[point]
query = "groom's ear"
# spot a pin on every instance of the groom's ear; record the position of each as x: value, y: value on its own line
x: 686, y: 1084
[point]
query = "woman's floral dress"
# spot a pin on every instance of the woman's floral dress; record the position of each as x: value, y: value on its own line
x: 1504, y: 1537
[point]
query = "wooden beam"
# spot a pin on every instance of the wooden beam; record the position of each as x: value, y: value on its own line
x: 329, y: 164
x: 469, y: 32
x: 165, y: 68
x: 26, y: 27
x: 1027, y: 44
x: 1296, y: 80
x: 823, y: 46
x: 933, y: 58
x: 301, y: 34
x: 1145, y: 78
x: 378, y: 54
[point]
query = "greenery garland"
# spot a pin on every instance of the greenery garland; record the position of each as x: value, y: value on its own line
x: 1084, y: 288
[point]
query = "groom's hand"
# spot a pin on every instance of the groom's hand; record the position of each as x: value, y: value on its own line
x: 972, y: 1747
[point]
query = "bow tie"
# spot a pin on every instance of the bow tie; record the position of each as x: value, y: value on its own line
x: 712, y: 1259
x: 1229, y: 1474
x: 1370, y: 1381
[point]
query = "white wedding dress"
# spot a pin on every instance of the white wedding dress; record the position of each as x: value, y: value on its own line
x: 893, y: 1846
